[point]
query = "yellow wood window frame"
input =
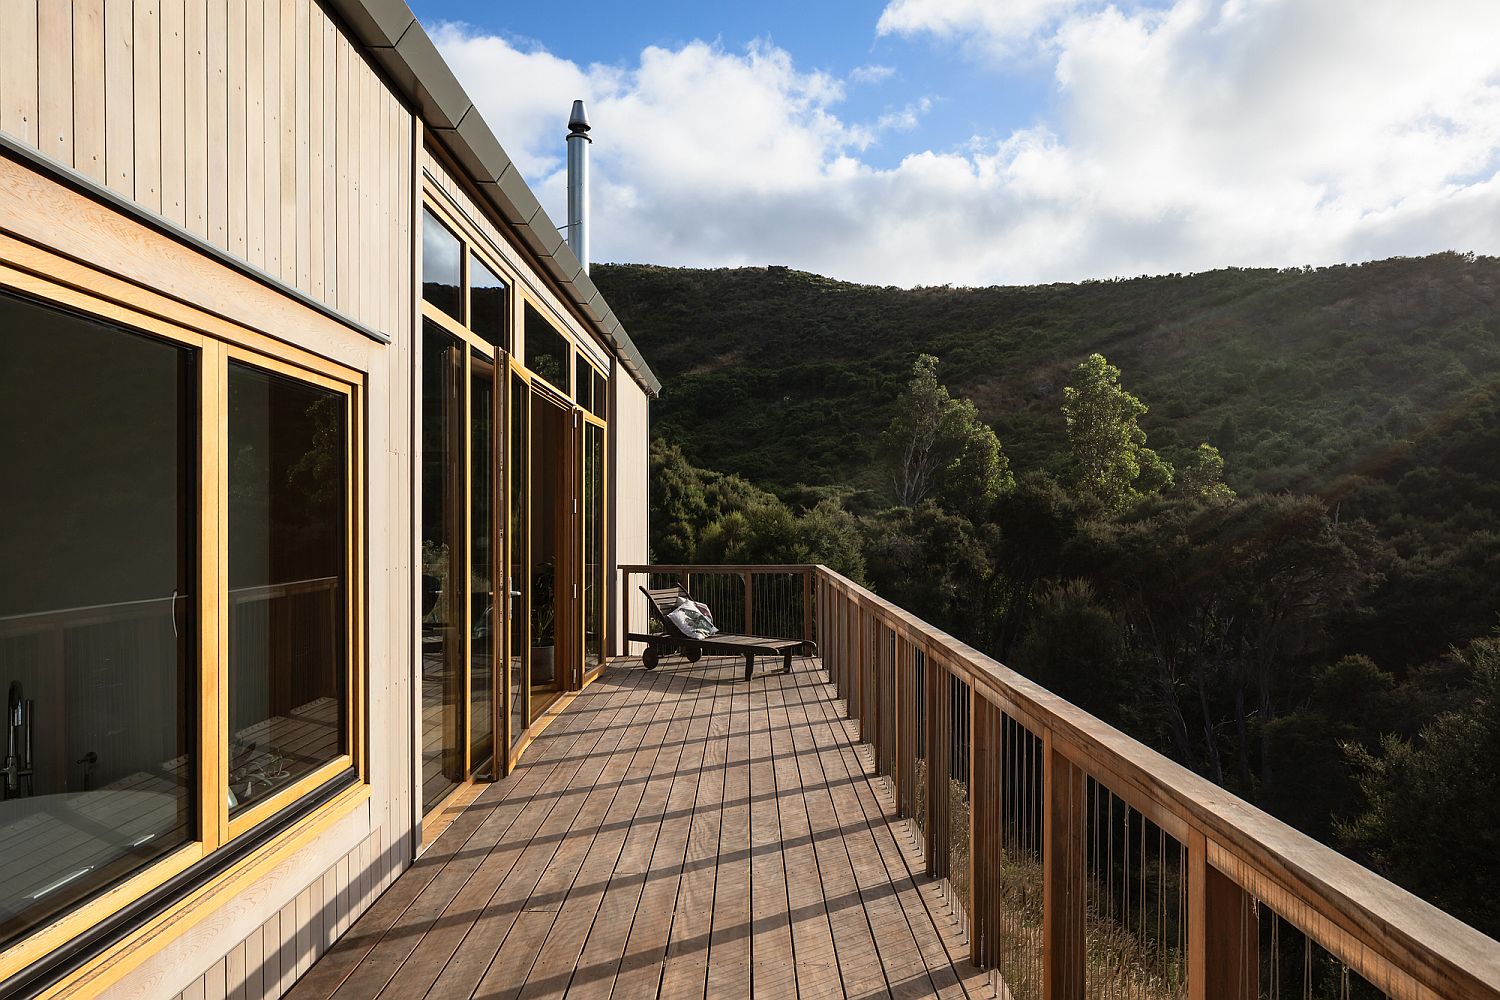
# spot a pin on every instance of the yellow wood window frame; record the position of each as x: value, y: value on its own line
x: 474, y: 244
x: 58, y: 281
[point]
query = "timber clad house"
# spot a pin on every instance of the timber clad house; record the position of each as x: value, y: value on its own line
x: 324, y: 611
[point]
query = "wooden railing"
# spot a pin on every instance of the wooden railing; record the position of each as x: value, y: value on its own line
x: 1083, y: 863
x: 773, y: 601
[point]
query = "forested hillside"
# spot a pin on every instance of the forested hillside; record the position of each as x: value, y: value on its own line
x: 1298, y: 376
x: 1252, y: 517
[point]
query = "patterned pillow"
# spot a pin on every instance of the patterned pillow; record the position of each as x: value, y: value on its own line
x: 689, y: 616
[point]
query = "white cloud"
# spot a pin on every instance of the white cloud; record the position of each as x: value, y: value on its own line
x: 1207, y: 133
x: 873, y: 73
x: 993, y: 26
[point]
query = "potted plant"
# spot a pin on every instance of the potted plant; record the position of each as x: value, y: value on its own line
x: 543, y: 622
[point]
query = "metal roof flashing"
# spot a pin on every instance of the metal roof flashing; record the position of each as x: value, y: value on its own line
x: 399, y: 43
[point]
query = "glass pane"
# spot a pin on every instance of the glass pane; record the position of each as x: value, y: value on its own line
x: 593, y: 545
x: 487, y: 304
x: 443, y: 458
x: 583, y: 383
x: 549, y: 467
x: 599, y: 397
x: 97, y: 630
x: 288, y: 668
x: 519, y: 429
x: 481, y: 560
x: 546, y: 350
x: 442, y: 266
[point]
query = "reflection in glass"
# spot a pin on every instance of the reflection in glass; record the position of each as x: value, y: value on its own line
x: 288, y: 699
x: 548, y: 464
x: 442, y: 608
x: 487, y: 303
x: 583, y: 382
x: 519, y: 434
x: 598, y: 398
x: 486, y: 616
x: 442, y: 266
x: 546, y: 350
x: 593, y: 545
x: 97, y: 629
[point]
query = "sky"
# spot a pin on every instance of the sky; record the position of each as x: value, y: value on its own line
x: 981, y: 142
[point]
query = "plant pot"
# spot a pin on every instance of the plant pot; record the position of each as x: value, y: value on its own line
x: 543, y: 670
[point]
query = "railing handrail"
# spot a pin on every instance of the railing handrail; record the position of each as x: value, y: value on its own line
x: 1365, y: 911
x: 761, y: 568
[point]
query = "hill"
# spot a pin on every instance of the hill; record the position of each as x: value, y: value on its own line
x: 1302, y: 377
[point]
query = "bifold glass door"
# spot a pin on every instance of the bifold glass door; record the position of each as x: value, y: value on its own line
x: 461, y: 543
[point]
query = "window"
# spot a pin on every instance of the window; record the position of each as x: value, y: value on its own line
x: 443, y: 557
x: 546, y: 350
x: 97, y: 598
x: 177, y: 595
x: 583, y: 382
x: 288, y: 702
x: 487, y: 303
x: 442, y: 266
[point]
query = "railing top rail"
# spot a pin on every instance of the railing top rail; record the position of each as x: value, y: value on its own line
x: 726, y: 568
x: 1360, y: 908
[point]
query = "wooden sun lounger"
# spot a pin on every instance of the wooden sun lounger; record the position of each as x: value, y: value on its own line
x: 673, y: 639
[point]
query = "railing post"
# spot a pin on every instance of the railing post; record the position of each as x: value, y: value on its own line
x: 1063, y: 899
x: 1223, y: 932
x: 749, y: 604
x: 807, y: 604
x: 982, y: 753
x: 935, y: 843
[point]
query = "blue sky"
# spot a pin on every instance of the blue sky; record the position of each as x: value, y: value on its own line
x: 1003, y: 141
x: 968, y: 97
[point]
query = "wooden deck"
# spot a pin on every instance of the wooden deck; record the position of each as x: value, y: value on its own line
x: 674, y: 833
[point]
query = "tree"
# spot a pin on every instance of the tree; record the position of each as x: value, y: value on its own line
x: 1203, y: 479
x: 1104, y: 435
x: 1418, y: 793
x: 938, y: 447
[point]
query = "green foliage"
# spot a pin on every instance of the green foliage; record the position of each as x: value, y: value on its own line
x: 1420, y: 792
x: 1276, y: 614
x: 1105, y: 439
x: 937, y: 446
x: 1203, y: 477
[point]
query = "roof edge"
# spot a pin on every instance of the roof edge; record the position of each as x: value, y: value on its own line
x: 415, y: 68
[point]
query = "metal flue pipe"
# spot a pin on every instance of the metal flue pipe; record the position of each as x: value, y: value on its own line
x: 578, y: 184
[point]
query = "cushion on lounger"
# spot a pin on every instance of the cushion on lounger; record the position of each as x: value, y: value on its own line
x: 688, y: 617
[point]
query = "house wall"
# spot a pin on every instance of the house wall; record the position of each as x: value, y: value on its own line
x: 254, y: 125
x: 258, y: 128
x: 630, y: 434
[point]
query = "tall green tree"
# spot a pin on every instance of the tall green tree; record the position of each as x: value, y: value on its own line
x: 1111, y: 460
x: 1203, y: 477
x: 1418, y: 793
x: 938, y: 447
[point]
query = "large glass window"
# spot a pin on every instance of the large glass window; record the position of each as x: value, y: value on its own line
x: 546, y: 350
x: 518, y: 596
x: 98, y: 635
x: 487, y: 303
x: 444, y: 555
x: 287, y: 526
x: 485, y: 620
x: 593, y: 545
x: 442, y: 266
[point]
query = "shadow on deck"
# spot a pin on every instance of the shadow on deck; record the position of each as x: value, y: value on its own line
x: 673, y: 833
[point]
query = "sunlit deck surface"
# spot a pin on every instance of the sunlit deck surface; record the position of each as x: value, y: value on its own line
x: 674, y: 833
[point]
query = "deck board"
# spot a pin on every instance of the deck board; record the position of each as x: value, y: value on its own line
x: 675, y: 833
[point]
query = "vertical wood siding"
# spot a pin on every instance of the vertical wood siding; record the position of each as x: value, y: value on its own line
x: 252, y: 124
x: 266, y: 963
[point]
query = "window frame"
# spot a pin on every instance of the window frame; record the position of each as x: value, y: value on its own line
x: 75, y: 287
